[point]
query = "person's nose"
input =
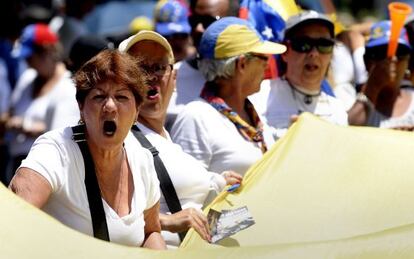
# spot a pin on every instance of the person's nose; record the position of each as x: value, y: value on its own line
x: 313, y: 52
x: 152, y: 77
x: 109, y: 105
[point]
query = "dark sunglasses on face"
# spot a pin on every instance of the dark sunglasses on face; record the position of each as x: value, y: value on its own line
x: 205, y: 20
x: 253, y: 55
x: 156, y: 69
x: 380, y: 53
x: 306, y: 44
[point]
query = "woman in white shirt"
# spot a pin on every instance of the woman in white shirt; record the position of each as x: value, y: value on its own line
x: 55, y: 173
x: 44, y: 81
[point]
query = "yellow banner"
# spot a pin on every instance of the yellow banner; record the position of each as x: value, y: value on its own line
x: 323, y: 191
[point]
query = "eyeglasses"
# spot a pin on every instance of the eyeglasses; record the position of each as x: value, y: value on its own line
x: 253, y: 55
x: 306, y: 44
x: 205, y: 20
x: 379, y: 53
x: 157, y: 70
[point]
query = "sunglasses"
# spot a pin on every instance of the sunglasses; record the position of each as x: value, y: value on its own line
x: 157, y: 70
x: 205, y: 20
x: 380, y: 53
x: 306, y: 44
x: 253, y: 55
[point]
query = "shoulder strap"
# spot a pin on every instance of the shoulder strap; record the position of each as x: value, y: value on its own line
x: 100, y: 228
x: 166, y: 184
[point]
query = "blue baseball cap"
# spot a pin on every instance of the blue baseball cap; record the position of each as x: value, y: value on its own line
x: 171, y: 17
x: 232, y: 36
x: 380, y: 35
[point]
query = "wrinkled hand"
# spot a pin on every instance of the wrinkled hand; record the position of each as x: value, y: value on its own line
x: 187, y: 218
x: 232, y: 177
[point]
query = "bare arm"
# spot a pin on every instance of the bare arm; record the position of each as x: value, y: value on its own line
x: 35, y: 129
x: 153, y: 238
x: 381, y: 76
x: 31, y: 186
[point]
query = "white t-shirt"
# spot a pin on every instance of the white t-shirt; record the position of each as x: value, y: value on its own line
x: 55, y: 156
x: 190, y: 82
x: 377, y: 119
x: 212, y: 138
x: 34, y: 110
x: 63, y: 111
x: 192, y: 182
x: 279, y: 101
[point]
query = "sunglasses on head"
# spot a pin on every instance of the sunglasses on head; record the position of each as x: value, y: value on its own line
x: 380, y: 52
x: 205, y: 20
x: 306, y: 44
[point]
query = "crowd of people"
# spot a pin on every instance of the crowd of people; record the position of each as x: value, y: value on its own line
x: 129, y: 140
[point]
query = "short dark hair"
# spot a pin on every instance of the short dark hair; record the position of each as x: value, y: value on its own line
x: 107, y: 66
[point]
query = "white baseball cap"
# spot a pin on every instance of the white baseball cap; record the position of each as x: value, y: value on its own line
x: 125, y: 45
x: 306, y: 17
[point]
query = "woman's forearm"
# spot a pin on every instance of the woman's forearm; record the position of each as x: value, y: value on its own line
x: 154, y: 241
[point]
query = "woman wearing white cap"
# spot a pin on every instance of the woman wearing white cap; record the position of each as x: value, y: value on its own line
x: 194, y: 186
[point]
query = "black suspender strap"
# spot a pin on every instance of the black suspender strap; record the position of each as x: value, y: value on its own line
x: 100, y: 228
x: 166, y: 184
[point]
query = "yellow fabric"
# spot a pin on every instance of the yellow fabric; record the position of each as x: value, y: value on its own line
x: 339, y: 27
x: 247, y: 41
x: 323, y: 191
x: 140, y: 23
x: 324, y: 183
x: 285, y: 8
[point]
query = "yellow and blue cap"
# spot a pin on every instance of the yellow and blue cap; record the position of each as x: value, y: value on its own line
x: 171, y: 17
x: 232, y: 36
x: 380, y: 35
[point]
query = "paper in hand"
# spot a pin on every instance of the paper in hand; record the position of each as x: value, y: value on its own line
x: 228, y: 222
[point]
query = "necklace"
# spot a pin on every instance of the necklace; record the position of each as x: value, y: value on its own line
x: 307, y: 97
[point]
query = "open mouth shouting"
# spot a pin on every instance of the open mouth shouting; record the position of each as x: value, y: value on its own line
x: 311, y: 67
x: 109, y: 128
x: 153, y: 93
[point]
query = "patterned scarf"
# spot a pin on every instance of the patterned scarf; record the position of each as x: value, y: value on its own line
x: 250, y: 133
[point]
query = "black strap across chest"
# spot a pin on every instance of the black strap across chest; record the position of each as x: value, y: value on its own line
x: 166, y: 185
x: 100, y: 228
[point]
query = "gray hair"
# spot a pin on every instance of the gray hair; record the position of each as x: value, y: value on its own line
x: 217, y: 68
